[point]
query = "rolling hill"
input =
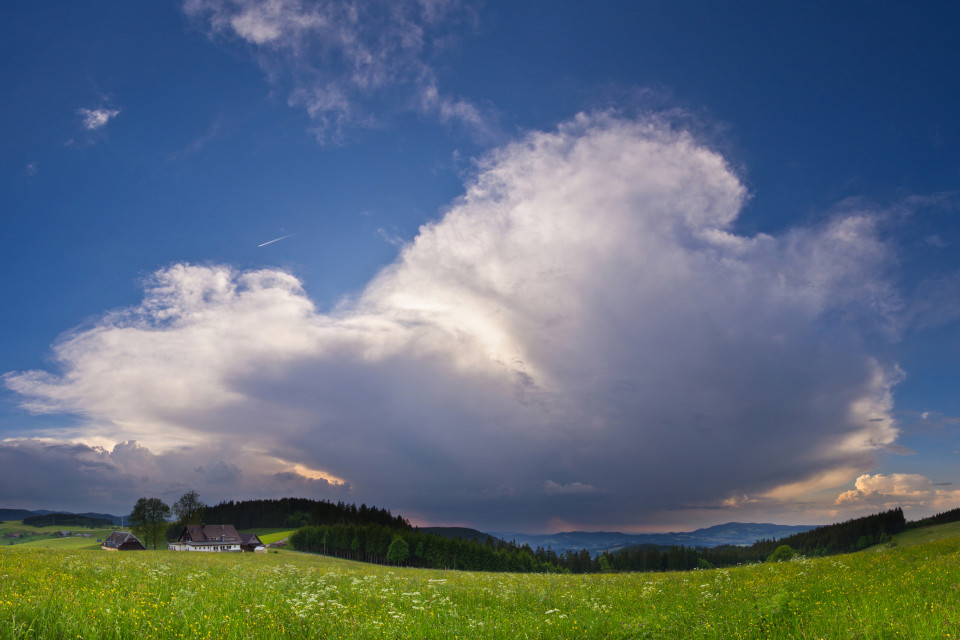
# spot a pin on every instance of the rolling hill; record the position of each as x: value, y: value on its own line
x: 20, y: 514
x: 733, y: 533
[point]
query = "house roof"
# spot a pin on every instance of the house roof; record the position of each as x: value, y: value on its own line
x: 118, y: 538
x: 249, y: 538
x: 210, y: 533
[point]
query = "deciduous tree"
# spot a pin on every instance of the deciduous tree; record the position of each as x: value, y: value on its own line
x: 189, y: 508
x: 149, y: 519
x: 398, y: 551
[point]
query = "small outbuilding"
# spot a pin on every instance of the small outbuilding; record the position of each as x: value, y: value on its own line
x: 250, y: 542
x: 122, y: 541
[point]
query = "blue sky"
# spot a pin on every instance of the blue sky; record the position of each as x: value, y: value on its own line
x: 620, y: 265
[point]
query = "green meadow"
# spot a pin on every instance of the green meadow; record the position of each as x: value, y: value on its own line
x: 72, y: 542
x: 271, y: 535
x: 47, y: 536
x: 906, y: 591
x: 928, y: 534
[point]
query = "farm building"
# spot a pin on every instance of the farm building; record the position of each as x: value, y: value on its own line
x: 122, y: 541
x: 250, y: 542
x: 207, y: 537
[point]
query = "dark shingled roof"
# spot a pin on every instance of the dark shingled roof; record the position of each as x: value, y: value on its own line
x: 119, y: 538
x: 210, y: 533
x: 247, y: 539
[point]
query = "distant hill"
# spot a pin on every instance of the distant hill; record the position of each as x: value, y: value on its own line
x: 66, y: 520
x: 457, y: 533
x: 732, y: 533
x: 105, y: 516
x: 17, y: 514
x: 20, y: 514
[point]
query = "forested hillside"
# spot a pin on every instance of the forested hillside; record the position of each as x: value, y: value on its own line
x: 298, y: 512
x: 373, y: 543
x: 940, y: 518
x: 66, y: 520
x: 412, y: 547
x: 843, y: 537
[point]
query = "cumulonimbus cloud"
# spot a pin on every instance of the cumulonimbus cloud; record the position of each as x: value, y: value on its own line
x: 908, y: 490
x: 583, y: 336
x: 344, y: 62
x: 81, y: 477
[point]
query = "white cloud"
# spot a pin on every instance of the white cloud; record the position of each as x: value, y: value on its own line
x: 585, y: 310
x: 906, y: 490
x: 94, y: 119
x: 348, y: 63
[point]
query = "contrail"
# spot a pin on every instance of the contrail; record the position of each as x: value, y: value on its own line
x: 275, y: 240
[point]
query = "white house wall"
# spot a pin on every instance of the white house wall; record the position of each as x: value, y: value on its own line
x: 216, y: 548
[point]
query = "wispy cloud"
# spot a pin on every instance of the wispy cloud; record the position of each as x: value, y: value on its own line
x: 94, y: 119
x: 200, y: 143
x: 349, y: 64
x: 390, y: 237
x: 552, y: 488
x: 583, y: 323
x: 936, y: 302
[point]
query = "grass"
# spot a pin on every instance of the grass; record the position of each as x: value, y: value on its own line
x: 17, y: 525
x: 47, y: 536
x: 271, y: 535
x: 71, y: 542
x: 911, y: 537
x: 901, y: 592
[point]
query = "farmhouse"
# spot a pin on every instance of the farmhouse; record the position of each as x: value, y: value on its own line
x: 207, y: 537
x: 122, y: 541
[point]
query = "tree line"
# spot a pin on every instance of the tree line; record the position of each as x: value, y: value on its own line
x: 938, y: 518
x: 374, y: 543
x: 299, y: 512
x: 150, y: 519
x: 843, y: 537
x: 414, y: 548
x: 370, y: 534
x: 67, y: 520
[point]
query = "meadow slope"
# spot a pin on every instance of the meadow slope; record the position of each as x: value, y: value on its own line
x: 909, y: 592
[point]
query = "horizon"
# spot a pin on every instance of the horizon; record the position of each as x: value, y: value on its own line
x: 657, y: 531
x: 530, y: 533
x: 521, y: 267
